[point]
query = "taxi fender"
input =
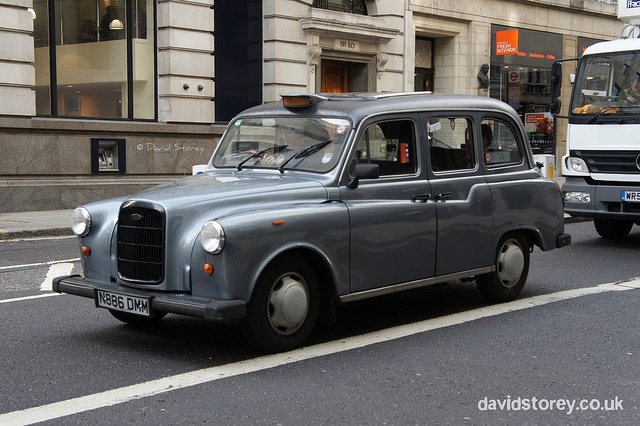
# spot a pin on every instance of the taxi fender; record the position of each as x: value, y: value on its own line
x: 255, y: 239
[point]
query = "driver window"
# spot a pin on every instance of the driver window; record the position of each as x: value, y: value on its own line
x: 391, y: 145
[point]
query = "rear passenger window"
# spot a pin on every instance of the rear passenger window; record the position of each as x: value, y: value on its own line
x: 391, y: 145
x: 500, y: 144
x: 451, y: 144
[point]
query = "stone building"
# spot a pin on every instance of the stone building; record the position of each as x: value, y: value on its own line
x: 102, y: 98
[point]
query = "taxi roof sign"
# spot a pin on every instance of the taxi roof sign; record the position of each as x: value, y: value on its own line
x: 302, y: 100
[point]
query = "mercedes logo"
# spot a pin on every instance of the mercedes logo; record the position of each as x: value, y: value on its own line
x: 638, y: 161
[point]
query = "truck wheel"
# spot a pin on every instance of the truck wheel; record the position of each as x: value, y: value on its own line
x: 611, y: 228
x: 512, y: 269
x: 137, y: 320
x: 284, y: 306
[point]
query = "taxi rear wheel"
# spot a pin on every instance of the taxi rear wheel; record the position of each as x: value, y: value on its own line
x: 284, y: 306
x: 137, y: 320
x: 511, y: 270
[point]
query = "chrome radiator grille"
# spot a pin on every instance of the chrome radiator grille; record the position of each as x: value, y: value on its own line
x: 141, y: 244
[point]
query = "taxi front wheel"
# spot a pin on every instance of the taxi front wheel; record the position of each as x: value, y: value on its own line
x: 511, y: 270
x: 284, y: 306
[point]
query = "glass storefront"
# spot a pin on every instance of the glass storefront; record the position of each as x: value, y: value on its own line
x: 102, y: 63
x: 520, y: 76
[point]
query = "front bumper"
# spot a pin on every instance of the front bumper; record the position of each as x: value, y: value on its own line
x: 182, y: 304
x: 605, y: 201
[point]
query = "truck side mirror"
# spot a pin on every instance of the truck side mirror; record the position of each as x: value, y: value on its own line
x: 556, y: 86
x: 556, y: 79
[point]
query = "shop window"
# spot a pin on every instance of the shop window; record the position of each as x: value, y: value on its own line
x: 102, y: 63
x: 358, y: 7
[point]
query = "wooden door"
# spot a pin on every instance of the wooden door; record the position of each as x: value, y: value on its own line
x: 334, y: 77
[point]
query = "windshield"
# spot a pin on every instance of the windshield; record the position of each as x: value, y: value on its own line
x: 309, y: 144
x: 608, y: 84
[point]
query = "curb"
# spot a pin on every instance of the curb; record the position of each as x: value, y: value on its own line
x: 34, y: 233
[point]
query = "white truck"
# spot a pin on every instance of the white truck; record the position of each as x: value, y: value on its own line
x: 602, y: 161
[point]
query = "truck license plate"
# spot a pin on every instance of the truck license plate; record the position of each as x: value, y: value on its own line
x: 122, y: 302
x: 631, y: 196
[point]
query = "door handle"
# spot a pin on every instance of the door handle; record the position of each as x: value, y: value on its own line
x: 443, y: 195
x: 421, y: 198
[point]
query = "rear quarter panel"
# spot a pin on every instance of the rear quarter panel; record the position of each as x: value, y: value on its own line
x: 526, y: 200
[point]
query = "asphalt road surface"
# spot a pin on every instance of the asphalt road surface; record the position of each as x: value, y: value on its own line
x: 566, y: 352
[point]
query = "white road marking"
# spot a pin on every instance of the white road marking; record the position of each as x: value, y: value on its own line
x: 154, y: 387
x: 20, y: 299
x: 32, y: 265
x: 55, y: 270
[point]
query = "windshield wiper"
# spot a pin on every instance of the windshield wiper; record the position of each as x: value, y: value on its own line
x: 308, y: 151
x: 601, y: 113
x: 259, y: 153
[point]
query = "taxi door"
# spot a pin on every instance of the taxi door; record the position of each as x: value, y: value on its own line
x: 462, y: 198
x: 393, y: 222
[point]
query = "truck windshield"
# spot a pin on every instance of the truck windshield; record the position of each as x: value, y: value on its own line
x: 275, y: 142
x: 608, y: 84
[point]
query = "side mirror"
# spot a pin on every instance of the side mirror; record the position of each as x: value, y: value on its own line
x: 556, y: 79
x: 556, y: 86
x: 364, y: 171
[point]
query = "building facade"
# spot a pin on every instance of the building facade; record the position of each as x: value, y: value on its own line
x: 102, y: 98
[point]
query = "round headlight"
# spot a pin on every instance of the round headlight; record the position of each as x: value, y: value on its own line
x: 212, y: 237
x: 81, y: 222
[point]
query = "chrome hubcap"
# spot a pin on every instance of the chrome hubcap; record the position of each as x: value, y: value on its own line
x: 510, y: 263
x: 288, y: 304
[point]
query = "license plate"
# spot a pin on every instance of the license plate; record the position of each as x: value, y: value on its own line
x: 122, y: 302
x: 631, y: 196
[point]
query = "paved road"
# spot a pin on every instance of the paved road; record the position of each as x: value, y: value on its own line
x: 566, y: 352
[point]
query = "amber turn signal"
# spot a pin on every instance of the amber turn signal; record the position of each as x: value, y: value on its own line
x: 86, y: 251
x: 208, y: 268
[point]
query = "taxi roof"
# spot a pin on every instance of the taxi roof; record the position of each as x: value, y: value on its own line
x: 360, y: 105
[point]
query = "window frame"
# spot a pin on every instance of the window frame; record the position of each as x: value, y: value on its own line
x: 471, y: 120
x: 519, y: 139
x: 415, y: 155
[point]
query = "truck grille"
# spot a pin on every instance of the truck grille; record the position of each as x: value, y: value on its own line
x: 141, y: 244
x: 622, y: 162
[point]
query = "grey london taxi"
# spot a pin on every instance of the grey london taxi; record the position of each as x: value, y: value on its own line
x: 317, y: 200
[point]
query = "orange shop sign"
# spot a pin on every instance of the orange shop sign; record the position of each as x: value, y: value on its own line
x: 507, y: 42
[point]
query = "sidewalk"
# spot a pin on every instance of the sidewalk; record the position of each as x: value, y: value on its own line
x: 35, y: 224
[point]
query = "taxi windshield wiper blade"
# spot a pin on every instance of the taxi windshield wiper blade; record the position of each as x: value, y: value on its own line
x: 308, y: 151
x: 259, y: 153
